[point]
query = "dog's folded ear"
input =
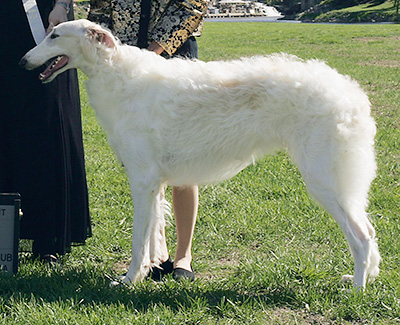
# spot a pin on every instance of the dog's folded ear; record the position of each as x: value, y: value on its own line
x: 97, y: 43
x: 101, y: 36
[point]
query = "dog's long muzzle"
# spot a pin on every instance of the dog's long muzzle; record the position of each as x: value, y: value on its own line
x: 23, y: 63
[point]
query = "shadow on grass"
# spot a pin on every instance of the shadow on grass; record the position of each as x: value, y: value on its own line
x: 248, y: 290
x: 86, y: 286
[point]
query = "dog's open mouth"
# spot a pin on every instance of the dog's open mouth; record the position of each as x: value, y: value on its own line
x: 54, y: 65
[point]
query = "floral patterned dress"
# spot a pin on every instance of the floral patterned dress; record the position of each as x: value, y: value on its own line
x: 171, y: 23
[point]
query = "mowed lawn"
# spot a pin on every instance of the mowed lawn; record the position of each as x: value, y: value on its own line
x: 264, y: 251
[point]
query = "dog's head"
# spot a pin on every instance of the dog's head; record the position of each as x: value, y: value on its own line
x: 73, y: 44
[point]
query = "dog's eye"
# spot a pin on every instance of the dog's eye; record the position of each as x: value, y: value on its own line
x: 54, y: 35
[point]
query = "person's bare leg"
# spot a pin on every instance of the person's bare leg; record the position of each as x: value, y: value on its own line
x: 185, y: 203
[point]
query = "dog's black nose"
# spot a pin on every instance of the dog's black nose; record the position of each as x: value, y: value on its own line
x: 22, y: 63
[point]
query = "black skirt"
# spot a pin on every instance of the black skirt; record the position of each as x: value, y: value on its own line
x: 41, y: 150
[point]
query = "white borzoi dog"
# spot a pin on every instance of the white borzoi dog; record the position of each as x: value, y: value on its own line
x: 182, y: 122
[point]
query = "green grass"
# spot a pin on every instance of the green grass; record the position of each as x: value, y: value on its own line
x: 371, y: 6
x: 373, y: 11
x: 264, y: 252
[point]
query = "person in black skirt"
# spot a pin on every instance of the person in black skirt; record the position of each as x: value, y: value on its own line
x: 41, y: 150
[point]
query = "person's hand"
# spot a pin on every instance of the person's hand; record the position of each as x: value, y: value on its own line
x: 57, y: 15
x: 155, y: 47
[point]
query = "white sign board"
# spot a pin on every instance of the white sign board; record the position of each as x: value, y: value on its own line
x: 9, y: 232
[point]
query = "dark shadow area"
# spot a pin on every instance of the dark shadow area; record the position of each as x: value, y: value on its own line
x: 85, y: 287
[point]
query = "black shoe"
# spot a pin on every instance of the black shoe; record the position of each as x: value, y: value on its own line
x: 165, y: 268
x: 182, y: 274
x: 50, y: 259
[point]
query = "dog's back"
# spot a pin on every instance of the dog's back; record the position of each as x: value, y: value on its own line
x: 220, y: 111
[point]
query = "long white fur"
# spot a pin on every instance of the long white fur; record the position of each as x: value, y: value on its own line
x: 182, y: 122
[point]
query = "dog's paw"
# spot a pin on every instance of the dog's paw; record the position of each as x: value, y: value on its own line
x: 114, y: 284
x: 120, y: 280
x: 346, y: 278
x: 125, y: 280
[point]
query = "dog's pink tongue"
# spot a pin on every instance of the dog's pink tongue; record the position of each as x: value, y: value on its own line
x: 57, y: 64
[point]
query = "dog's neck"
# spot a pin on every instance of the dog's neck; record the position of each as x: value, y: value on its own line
x: 122, y: 60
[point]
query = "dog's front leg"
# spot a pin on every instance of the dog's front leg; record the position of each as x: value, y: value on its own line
x: 144, y: 196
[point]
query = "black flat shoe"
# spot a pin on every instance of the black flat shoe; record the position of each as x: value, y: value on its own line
x: 165, y: 268
x: 182, y: 274
x: 50, y: 259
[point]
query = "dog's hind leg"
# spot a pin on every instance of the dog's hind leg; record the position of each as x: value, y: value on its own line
x: 359, y: 233
x: 340, y: 181
x: 145, y: 197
